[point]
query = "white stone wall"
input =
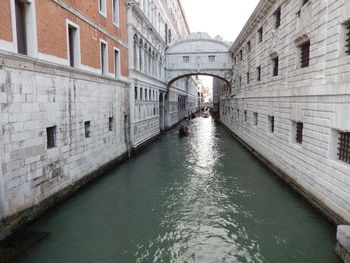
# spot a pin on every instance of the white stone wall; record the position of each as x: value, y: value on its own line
x: 318, y: 96
x: 35, y: 95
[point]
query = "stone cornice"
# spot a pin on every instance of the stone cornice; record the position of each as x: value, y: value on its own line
x: 258, y: 15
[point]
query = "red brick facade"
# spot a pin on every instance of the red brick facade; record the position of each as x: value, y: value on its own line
x: 51, y: 29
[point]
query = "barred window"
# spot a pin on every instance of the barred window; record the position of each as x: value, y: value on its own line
x: 110, y: 124
x: 87, y: 129
x: 255, y: 118
x: 305, y: 54
x: 347, y: 38
x: 275, y: 66
x: 260, y: 34
x: 51, y: 137
x: 299, y: 132
x: 344, y: 147
x: 271, y: 124
x: 277, y: 15
x: 258, y: 70
x: 211, y: 59
x: 186, y: 59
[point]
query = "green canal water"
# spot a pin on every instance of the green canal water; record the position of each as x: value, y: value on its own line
x: 201, y: 198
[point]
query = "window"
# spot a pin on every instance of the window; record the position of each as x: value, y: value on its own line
x: 87, y: 129
x: 116, y: 63
x: 104, y: 62
x: 186, y: 59
x: 240, y: 81
x: 305, y: 54
x: 271, y: 120
x: 237, y: 114
x: 260, y: 35
x: 51, y: 137
x: 249, y: 47
x: 241, y: 55
x: 258, y: 71
x: 347, y: 38
x: 21, y: 26
x: 299, y: 127
x: 248, y: 78
x: 277, y: 16
x: 275, y: 66
x: 344, y: 147
x: 255, y: 119
x: 305, y: 2
x: 136, y: 93
x: 145, y: 94
x: 110, y: 124
x: 211, y: 59
x: 245, y: 116
x: 102, y: 7
x: 116, y: 12
x: 141, y: 95
x: 150, y: 95
x: 73, y: 45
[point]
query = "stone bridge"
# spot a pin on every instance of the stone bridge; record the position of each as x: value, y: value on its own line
x: 198, y: 54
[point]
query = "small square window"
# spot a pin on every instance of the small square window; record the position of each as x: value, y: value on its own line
x: 186, y: 59
x: 255, y: 119
x: 110, y: 124
x: 211, y: 59
x: 344, y: 147
x: 271, y: 120
x: 87, y: 129
x: 51, y: 137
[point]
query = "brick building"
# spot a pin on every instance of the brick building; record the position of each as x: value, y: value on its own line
x: 64, y: 95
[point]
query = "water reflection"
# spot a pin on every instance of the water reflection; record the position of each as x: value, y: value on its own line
x: 200, y: 198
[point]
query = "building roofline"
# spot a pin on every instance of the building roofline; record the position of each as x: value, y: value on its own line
x: 262, y: 5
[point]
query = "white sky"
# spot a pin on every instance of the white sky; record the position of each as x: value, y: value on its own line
x: 218, y: 17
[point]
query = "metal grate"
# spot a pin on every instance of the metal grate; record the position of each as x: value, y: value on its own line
x: 344, y: 147
x: 347, y: 40
x: 51, y: 137
x: 305, y: 54
x: 299, y: 132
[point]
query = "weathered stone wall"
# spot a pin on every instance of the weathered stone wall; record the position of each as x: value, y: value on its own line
x: 317, y: 96
x: 35, y: 95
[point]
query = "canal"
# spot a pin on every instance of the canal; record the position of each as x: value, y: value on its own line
x: 201, y: 198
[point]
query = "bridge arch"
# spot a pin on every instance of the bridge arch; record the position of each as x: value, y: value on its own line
x: 198, y: 54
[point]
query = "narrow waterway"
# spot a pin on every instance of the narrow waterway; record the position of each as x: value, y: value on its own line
x: 201, y: 198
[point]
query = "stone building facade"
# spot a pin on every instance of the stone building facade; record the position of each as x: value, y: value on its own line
x: 64, y: 95
x: 290, y: 100
x: 155, y: 106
